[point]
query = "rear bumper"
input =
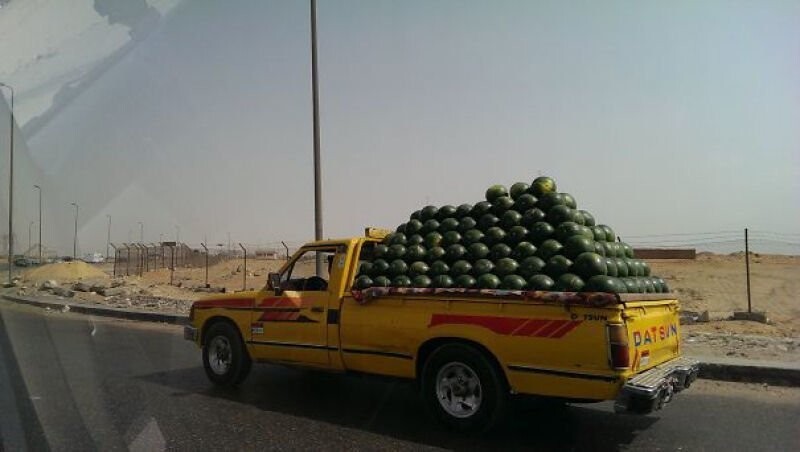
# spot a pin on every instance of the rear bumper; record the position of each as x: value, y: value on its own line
x: 651, y: 389
x: 190, y: 333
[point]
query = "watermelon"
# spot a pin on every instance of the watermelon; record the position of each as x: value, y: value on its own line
x: 542, y: 185
x: 569, y: 201
x: 599, y: 248
x: 460, y: 267
x: 430, y: 226
x: 415, y: 253
x: 622, y: 267
x: 569, y: 282
x: 647, y: 283
x: 455, y: 252
x: 416, y: 215
x: 480, y: 208
x: 363, y: 282
x: 381, y: 250
x: 488, y: 281
x: 379, y: 267
x: 525, y: 203
x: 664, y: 286
x: 531, y: 266
x: 633, y: 267
x: 422, y: 281
x: 415, y: 239
x: 498, y: 251
x: 428, y: 213
x: 517, y: 234
x: 586, y: 232
x: 513, y: 282
x: 418, y: 268
x: 366, y: 268
x: 439, y: 268
x: 401, y: 281
x: 465, y: 281
x: 397, y: 238
x: 413, y: 227
x: 448, y: 224
x: 472, y: 236
x: 577, y: 217
x: 487, y: 221
x: 494, y: 235
x: 610, y: 235
x: 477, y: 251
x: 602, y: 283
x: 628, y: 250
x: 540, y: 232
x: 559, y: 214
x: 589, y: 264
x: 550, y: 200
x: 505, y: 266
x: 631, y: 285
x: 398, y: 267
x: 611, y: 267
x: 588, y: 219
x: 396, y: 252
x: 401, y: 228
x: 519, y: 189
x: 381, y: 281
x: 451, y: 238
x: 502, y: 204
x: 496, y: 191
x: 433, y: 239
x: 599, y: 234
x: 443, y: 281
x: 566, y: 230
x: 548, y: 249
x: 611, y: 249
x: 482, y: 267
x: 523, y: 250
x: 465, y: 224
x: 434, y: 254
x: 463, y: 211
x: 445, y: 212
x: 541, y: 282
x: 576, y: 245
x: 557, y: 265
x: 645, y: 268
x: 531, y: 217
x: 510, y: 219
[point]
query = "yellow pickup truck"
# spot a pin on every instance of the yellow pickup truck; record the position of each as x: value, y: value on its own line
x: 469, y: 350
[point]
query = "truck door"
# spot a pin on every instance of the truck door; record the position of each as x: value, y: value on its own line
x: 289, y: 323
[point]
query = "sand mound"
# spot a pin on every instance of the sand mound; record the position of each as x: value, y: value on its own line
x: 64, y: 272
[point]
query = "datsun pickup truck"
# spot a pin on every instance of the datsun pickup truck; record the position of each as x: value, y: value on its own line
x: 468, y: 350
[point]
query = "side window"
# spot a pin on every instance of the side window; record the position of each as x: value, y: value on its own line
x: 301, y: 274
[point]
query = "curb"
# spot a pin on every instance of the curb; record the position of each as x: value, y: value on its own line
x: 710, y: 369
x: 143, y: 316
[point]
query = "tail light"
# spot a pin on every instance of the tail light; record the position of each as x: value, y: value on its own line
x: 618, y: 350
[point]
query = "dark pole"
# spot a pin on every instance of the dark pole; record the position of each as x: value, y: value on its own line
x: 287, y: 249
x: 108, y: 239
x: 244, y: 272
x: 116, y: 253
x: 206, y: 249
x: 75, y: 237
x: 747, y: 269
x: 317, y: 165
x: 30, y: 245
x: 40, y: 222
x: 10, y: 185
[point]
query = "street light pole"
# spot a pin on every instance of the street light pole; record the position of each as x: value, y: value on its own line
x: 141, y: 231
x: 75, y: 237
x: 108, y: 238
x: 317, y: 163
x: 10, y: 185
x: 30, y: 245
x: 40, y: 222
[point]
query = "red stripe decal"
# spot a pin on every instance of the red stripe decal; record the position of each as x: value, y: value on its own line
x: 531, y: 327
x: 551, y: 328
x: 225, y: 303
x: 558, y: 334
x: 499, y: 325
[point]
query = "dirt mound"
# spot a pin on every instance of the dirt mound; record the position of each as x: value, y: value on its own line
x: 64, y: 272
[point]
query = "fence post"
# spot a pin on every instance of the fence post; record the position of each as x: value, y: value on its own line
x: 127, y: 259
x: 116, y: 254
x: 747, y: 270
x: 244, y: 272
x: 171, y: 263
x: 287, y: 249
x: 206, y: 249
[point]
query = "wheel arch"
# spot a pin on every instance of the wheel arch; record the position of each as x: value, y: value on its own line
x: 429, y: 346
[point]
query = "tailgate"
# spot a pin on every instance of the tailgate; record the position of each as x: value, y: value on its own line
x: 653, y: 331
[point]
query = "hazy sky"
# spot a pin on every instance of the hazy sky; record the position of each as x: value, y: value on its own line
x: 659, y: 117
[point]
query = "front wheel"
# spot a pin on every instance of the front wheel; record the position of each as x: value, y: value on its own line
x: 464, y: 389
x: 225, y: 359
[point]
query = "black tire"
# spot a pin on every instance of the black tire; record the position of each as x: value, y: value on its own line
x: 493, y: 389
x: 231, y: 363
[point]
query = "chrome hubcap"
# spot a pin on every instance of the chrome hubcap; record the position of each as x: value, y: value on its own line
x: 458, y: 390
x: 219, y: 355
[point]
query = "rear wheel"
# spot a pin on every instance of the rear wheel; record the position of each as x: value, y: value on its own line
x: 464, y: 389
x: 225, y: 358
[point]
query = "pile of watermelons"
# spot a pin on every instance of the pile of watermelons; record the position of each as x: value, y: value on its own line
x: 530, y: 237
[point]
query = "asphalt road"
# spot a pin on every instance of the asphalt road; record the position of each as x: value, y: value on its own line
x: 74, y: 382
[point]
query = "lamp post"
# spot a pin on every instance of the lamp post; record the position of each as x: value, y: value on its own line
x: 10, y: 184
x: 317, y: 163
x: 30, y: 225
x: 141, y: 231
x: 40, y: 222
x: 75, y: 237
x: 108, y: 238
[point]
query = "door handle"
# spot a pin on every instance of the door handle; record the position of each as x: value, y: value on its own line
x: 317, y: 309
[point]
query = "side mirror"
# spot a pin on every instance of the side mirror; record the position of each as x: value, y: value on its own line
x: 274, y: 281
